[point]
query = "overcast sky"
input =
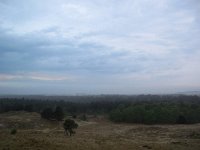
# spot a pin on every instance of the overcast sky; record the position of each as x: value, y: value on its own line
x: 99, y: 46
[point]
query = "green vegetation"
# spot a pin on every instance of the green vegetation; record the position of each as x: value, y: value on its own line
x: 59, y: 114
x: 49, y: 114
x: 69, y: 125
x: 13, y: 131
x: 34, y: 133
x: 145, y: 109
x: 157, y: 113
x: 83, y: 117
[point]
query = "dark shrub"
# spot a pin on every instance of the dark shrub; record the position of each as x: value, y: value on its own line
x: 47, y: 113
x: 83, y: 117
x: 59, y: 114
x: 13, y: 131
x: 181, y: 120
x: 74, y: 116
x: 69, y: 125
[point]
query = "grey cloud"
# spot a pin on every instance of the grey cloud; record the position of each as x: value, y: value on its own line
x: 31, y: 52
x: 107, y: 44
x: 37, y: 52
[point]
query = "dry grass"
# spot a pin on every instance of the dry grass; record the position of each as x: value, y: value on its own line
x: 35, y: 133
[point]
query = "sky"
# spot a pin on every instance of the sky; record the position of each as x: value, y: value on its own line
x: 69, y: 47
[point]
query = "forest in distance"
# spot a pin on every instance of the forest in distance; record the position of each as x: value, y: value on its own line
x: 143, y: 109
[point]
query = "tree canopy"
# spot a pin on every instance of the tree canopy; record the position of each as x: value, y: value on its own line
x: 69, y: 125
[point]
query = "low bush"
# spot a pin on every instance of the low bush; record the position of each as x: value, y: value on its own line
x: 13, y: 131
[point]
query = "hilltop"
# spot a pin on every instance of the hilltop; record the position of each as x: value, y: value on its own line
x: 97, y: 133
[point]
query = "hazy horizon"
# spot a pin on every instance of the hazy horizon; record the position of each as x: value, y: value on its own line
x: 58, y: 47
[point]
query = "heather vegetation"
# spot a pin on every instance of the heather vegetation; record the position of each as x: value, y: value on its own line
x: 103, y: 122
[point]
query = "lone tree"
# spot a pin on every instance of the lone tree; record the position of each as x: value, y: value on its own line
x: 69, y: 125
x: 59, y: 114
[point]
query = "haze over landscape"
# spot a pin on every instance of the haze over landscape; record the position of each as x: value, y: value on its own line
x: 99, y: 74
x: 99, y: 46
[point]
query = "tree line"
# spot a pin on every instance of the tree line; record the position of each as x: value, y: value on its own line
x: 147, y: 109
x: 157, y: 113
